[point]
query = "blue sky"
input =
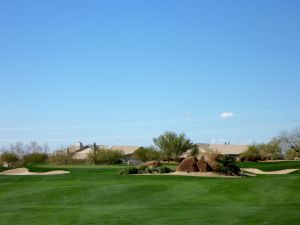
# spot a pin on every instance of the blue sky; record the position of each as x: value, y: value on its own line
x: 123, y: 72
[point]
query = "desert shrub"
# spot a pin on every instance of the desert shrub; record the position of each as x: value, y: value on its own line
x: 291, y: 154
x: 142, y: 168
x: 271, y: 150
x: 164, y: 169
x: 145, y: 169
x: 150, y: 170
x: 129, y: 170
x: 148, y: 154
x: 108, y: 156
x: 94, y: 155
x: 19, y: 163
x: 252, y: 154
x: 9, y: 157
x: 36, y: 157
x: 60, y: 157
x: 104, y: 156
x: 228, y: 165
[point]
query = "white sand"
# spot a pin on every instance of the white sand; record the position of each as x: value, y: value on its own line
x: 24, y: 171
x: 257, y: 171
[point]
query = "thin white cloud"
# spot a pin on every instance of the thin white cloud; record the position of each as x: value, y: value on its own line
x: 226, y: 115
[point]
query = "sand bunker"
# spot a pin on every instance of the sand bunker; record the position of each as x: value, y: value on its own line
x: 25, y: 171
x: 257, y: 171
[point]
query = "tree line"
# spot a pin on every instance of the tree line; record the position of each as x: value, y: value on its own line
x: 167, y: 147
x: 284, y: 146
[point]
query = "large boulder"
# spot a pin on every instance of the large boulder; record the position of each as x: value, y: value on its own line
x: 203, y: 166
x: 211, y: 160
x: 188, y: 165
x: 152, y: 164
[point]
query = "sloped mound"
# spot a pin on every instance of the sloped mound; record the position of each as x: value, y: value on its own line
x: 25, y: 171
x: 188, y: 165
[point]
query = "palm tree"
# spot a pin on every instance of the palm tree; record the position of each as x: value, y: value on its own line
x: 228, y: 165
x: 173, y: 145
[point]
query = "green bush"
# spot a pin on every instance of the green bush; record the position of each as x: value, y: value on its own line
x: 142, y: 169
x: 148, y: 154
x: 108, y: 156
x: 150, y: 170
x: 129, y: 170
x: 61, y: 157
x: 104, y: 156
x: 252, y: 154
x: 164, y: 169
x: 228, y: 165
x: 36, y: 157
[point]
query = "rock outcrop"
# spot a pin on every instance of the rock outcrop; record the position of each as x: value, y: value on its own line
x: 188, y: 165
x: 152, y: 164
x: 206, y: 163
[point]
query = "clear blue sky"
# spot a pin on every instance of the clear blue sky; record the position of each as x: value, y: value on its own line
x: 122, y: 72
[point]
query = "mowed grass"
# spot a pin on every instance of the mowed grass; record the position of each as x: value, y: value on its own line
x: 98, y: 195
x: 271, y: 166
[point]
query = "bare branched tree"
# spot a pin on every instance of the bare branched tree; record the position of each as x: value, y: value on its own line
x: 291, y: 140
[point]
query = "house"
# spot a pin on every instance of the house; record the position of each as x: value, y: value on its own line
x: 129, y: 157
x: 223, y: 149
x: 80, y: 152
x: 6, y: 164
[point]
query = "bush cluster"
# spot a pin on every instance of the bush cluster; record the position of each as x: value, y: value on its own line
x: 9, y: 157
x: 145, y: 170
x: 35, y: 157
x: 269, y: 151
x: 104, y: 156
x: 129, y: 170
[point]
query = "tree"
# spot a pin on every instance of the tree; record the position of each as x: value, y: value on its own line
x: 9, y: 157
x: 147, y: 154
x: 251, y: 154
x: 61, y: 156
x: 34, y: 147
x: 173, y: 145
x: 95, y: 154
x: 291, y: 154
x: 291, y: 140
x: 271, y: 150
x: 108, y: 156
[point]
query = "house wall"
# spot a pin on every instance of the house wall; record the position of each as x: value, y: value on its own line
x: 131, y: 160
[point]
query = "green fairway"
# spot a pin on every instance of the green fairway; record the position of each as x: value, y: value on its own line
x: 97, y: 195
x: 271, y: 166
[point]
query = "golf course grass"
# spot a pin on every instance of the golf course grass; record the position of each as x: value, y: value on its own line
x: 98, y: 195
x: 271, y: 166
